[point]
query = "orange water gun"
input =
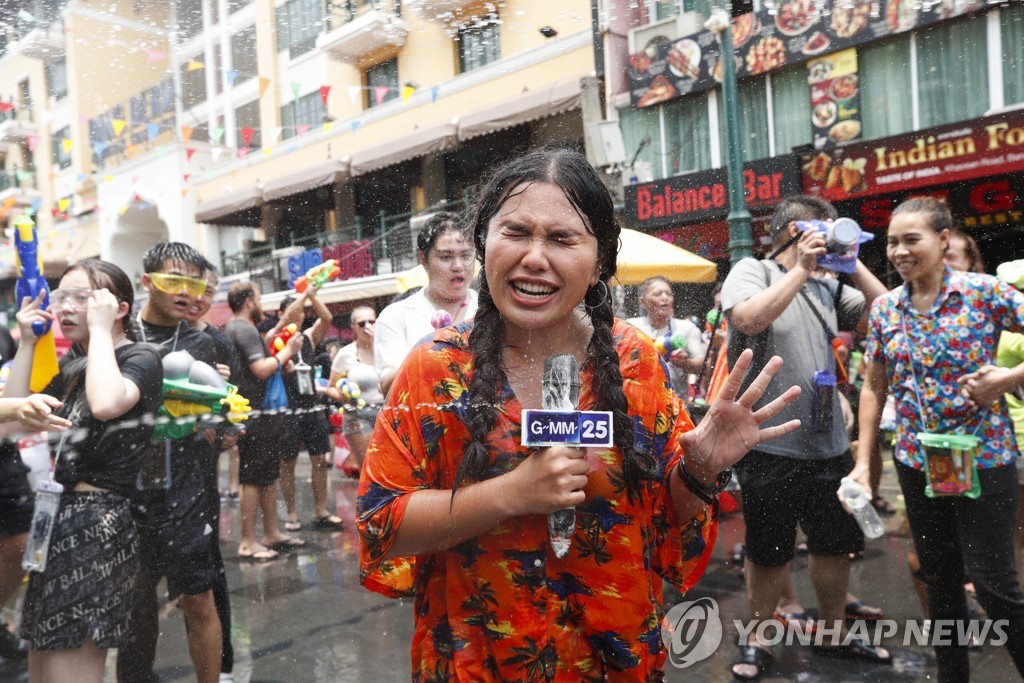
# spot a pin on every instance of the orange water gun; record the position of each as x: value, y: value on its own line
x: 318, y: 275
x: 280, y: 340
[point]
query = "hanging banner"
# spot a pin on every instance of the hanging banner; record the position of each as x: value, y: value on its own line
x: 835, y: 99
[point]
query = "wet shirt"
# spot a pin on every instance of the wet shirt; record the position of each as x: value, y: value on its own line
x: 956, y: 336
x: 227, y: 354
x: 106, y: 454
x: 291, y: 379
x: 501, y: 606
x: 250, y: 347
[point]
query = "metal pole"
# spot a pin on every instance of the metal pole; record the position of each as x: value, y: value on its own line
x: 740, y: 240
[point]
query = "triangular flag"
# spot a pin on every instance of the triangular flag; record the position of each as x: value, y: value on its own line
x: 6, y: 107
x: 161, y: 151
x: 186, y: 176
x: 407, y: 92
x: 247, y: 135
x: 123, y: 210
x: 434, y: 92
x: 186, y: 133
x: 355, y: 125
x: 63, y: 204
x: 264, y: 82
x: 184, y: 191
x: 325, y: 90
x: 243, y: 152
x: 353, y: 93
x: 232, y: 76
x: 216, y: 134
x: 215, y: 152
x: 118, y: 125
x: 100, y: 148
x: 22, y: 176
x: 155, y: 56
x: 295, y: 90
x: 194, y: 66
x: 36, y: 203
x: 301, y: 129
x: 66, y: 144
x: 189, y: 151
x: 329, y: 126
x: 275, y: 134
x: 152, y: 130
x: 267, y: 151
x: 108, y: 178
x: 380, y: 92
x: 33, y: 140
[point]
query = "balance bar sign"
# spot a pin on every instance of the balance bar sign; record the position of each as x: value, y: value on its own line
x: 543, y: 428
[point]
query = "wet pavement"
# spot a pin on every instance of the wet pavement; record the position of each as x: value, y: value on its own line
x: 305, y: 617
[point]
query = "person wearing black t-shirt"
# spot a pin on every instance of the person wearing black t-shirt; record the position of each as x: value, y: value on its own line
x: 258, y: 448
x: 80, y: 605
x: 226, y: 440
x: 174, y: 517
x: 309, y: 427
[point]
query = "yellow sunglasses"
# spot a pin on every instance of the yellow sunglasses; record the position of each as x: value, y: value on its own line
x: 172, y: 284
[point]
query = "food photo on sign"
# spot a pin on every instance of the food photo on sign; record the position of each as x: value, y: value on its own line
x: 835, y: 99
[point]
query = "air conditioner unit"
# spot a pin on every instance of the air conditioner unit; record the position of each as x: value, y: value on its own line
x: 665, y: 31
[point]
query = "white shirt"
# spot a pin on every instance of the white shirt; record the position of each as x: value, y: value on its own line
x: 403, y: 324
x: 347, y: 363
x: 694, y: 347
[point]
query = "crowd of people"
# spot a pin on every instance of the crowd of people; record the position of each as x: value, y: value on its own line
x: 452, y: 508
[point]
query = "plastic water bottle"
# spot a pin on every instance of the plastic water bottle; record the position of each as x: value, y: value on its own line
x: 852, y: 493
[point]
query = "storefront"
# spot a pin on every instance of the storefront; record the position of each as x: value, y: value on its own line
x: 977, y: 166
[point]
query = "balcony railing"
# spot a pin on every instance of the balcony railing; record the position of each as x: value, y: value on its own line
x: 355, y: 28
x: 392, y: 249
x: 341, y: 12
x: 39, y: 29
x: 21, y: 180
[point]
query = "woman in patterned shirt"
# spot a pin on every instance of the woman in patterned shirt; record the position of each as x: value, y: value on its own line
x: 452, y: 509
x: 932, y: 342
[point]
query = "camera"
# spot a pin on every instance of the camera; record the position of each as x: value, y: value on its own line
x: 843, y: 238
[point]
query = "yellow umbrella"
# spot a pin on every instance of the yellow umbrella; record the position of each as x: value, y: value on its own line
x: 642, y: 256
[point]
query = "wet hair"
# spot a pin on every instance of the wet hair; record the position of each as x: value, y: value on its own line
x: 285, y: 303
x: 581, y: 185
x: 239, y: 293
x: 208, y: 266
x: 360, y: 308
x: 935, y: 212
x: 105, y: 275
x: 976, y: 264
x: 800, y: 207
x: 178, y: 253
x: 650, y: 281
x: 440, y: 223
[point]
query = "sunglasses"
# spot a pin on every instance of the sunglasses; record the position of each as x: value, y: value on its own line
x: 364, y: 323
x: 172, y: 284
x: 76, y: 297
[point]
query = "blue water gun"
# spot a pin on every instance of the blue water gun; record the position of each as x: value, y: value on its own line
x: 30, y: 283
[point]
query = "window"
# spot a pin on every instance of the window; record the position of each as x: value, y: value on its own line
x: 641, y: 136
x: 188, y: 16
x: 791, y: 108
x: 57, y: 79
x: 298, y: 24
x: 243, y: 54
x: 248, y: 116
x: 1012, y: 20
x: 753, y: 113
x: 193, y: 85
x: 25, y: 95
x: 479, y: 44
x: 308, y: 110
x: 886, y: 108
x: 384, y: 75
x: 61, y: 157
x: 235, y: 5
x: 663, y: 9
x: 686, y: 134
x: 952, y: 61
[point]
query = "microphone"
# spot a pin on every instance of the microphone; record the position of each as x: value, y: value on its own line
x: 560, y: 390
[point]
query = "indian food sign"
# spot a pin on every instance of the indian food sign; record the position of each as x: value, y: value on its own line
x: 799, y: 30
x: 835, y: 99
x: 946, y: 154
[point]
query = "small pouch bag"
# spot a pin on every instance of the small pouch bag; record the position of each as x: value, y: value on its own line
x: 950, y: 464
x: 37, y: 549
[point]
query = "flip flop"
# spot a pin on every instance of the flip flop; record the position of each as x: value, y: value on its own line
x: 856, y: 649
x: 293, y: 525
x: 883, y: 507
x: 855, y: 611
x: 262, y: 555
x: 288, y: 544
x: 754, y: 656
x: 328, y: 523
x: 797, y: 619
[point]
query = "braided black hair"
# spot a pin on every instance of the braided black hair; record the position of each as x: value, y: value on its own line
x: 570, y: 171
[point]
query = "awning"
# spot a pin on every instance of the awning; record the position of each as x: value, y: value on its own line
x: 309, y: 178
x: 346, y: 290
x: 209, y: 210
x: 642, y: 256
x: 529, y: 106
x: 425, y: 140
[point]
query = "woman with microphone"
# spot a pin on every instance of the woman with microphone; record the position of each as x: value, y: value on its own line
x: 452, y: 508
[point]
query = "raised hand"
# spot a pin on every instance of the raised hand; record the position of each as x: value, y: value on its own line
x: 731, y: 428
x: 31, y: 311
x: 36, y: 413
x: 102, y: 311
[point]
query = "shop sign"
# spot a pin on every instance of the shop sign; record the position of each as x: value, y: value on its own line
x: 835, y: 99
x: 959, y: 151
x: 704, y: 195
x: 987, y: 203
x: 797, y: 31
x: 353, y: 259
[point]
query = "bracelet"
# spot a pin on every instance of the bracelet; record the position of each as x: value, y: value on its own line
x: 707, y: 494
x: 279, y: 364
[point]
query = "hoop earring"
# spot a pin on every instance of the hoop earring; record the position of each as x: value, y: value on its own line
x: 604, y: 299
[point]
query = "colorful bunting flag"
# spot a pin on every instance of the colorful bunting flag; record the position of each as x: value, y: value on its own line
x: 295, y: 90
x: 63, y: 204
x: 247, y: 135
x: 325, y: 90
x: 243, y: 152
x: 100, y: 148
x: 407, y: 92
x: 118, y: 125
x: 189, y: 151
x: 434, y: 93
x: 194, y: 66
x: 186, y: 133
x: 215, y: 152
x: 264, y: 83
x: 355, y: 125
x: 152, y: 130
x: 380, y: 92
x: 155, y: 56
x: 275, y: 134
x: 267, y: 151
x: 33, y: 141
x: 216, y: 134
x: 232, y: 76
x: 66, y: 144
x: 6, y: 106
x: 301, y: 129
x: 353, y: 93
x: 328, y: 126
x: 186, y: 176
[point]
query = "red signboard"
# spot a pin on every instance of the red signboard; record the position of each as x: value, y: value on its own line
x: 947, y: 154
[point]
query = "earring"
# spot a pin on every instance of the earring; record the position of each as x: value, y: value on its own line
x: 604, y: 299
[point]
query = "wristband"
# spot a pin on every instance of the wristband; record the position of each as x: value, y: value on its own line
x: 707, y: 494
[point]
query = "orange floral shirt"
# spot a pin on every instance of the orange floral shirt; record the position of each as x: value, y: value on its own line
x: 501, y: 606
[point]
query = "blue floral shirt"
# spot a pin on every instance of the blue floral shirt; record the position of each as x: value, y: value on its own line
x: 958, y: 335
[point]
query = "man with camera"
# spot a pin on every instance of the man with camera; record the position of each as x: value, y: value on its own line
x: 788, y: 306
